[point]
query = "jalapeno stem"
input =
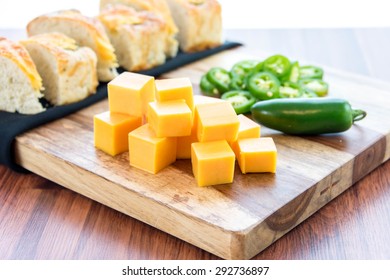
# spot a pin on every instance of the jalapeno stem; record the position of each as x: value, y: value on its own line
x: 358, y: 115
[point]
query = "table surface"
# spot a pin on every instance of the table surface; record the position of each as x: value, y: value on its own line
x: 42, y: 220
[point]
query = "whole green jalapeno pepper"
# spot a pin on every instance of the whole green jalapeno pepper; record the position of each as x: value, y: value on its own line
x: 306, y: 116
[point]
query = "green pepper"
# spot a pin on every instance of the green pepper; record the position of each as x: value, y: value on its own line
x: 278, y: 65
x: 311, y: 72
x: 306, y: 116
x: 243, y: 67
x: 220, y: 78
x: 208, y: 88
x: 241, y: 101
x: 307, y: 93
x: 320, y: 87
x: 237, y: 83
x: 263, y: 85
x: 293, y: 74
x: 290, y: 90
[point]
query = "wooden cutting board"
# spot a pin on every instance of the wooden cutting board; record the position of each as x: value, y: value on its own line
x: 233, y: 221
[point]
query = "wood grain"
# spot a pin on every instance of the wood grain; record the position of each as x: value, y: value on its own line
x: 354, y: 225
x: 233, y: 221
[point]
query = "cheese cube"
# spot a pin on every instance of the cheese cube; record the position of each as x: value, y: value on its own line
x: 216, y: 121
x: 170, y: 118
x: 201, y: 99
x: 176, y: 88
x: 111, y: 130
x: 184, y: 143
x: 149, y: 152
x: 257, y: 155
x: 129, y: 93
x: 248, y: 129
x: 212, y: 163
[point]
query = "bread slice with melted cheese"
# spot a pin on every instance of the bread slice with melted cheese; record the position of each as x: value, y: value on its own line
x: 138, y: 37
x: 86, y: 31
x: 67, y: 70
x: 159, y: 7
x: 199, y: 23
x: 20, y: 82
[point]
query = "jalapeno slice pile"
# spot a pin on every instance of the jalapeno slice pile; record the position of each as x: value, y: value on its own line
x: 274, y: 77
x: 242, y: 101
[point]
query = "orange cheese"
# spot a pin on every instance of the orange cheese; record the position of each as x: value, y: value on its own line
x: 149, y: 152
x: 170, y: 118
x: 257, y: 155
x: 129, y: 93
x: 184, y: 143
x: 111, y: 130
x: 212, y: 163
x: 216, y: 121
x: 176, y: 88
x: 248, y: 129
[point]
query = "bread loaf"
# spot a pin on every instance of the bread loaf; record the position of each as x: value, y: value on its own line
x: 199, y: 23
x: 20, y: 82
x: 158, y: 7
x: 138, y: 37
x: 67, y: 70
x: 86, y: 31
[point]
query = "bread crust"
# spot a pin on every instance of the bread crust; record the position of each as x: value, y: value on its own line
x: 199, y: 23
x: 20, y: 82
x: 86, y: 31
x: 138, y: 36
x: 68, y: 71
x: 159, y: 7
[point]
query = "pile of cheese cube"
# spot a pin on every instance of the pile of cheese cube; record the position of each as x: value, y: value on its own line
x: 160, y: 121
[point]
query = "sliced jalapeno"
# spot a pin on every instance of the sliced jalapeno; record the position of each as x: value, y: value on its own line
x: 320, y: 87
x: 293, y: 74
x: 237, y: 83
x: 208, y: 88
x: 241, y: 101
x: 242, y: 68
x: 307, y: 93
x: 278, y: 65
x: 290, y: 90
x: 263, y: 85
x: 220, y: 78
x: 311, y: 72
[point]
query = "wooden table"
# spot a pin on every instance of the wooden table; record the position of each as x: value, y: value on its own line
x: 42, y: 220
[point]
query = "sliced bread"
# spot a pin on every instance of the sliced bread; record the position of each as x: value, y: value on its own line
x: 138, y: 37
x: 156, y: 6
x: 199, y: 23
x: 67, y: 70
x: 20, y: 82
x: 86, y: 31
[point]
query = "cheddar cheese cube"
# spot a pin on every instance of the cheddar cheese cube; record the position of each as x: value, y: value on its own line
x: 170, y: 118
x: 184, y: 143
x: 216, y: 121
x: 149, y: 152
x: 257, y: 155
x: 111, y: 130
x: 201, y: 99
x: 129, y: 93
x: 175, y: 88
x: 248, y: 129
x: 212, y: 163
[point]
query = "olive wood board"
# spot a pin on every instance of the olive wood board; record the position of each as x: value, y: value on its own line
x: 232, y: 221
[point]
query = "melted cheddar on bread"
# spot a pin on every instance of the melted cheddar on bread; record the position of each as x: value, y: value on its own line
x: 85, y: 31
x: 20, y: 81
